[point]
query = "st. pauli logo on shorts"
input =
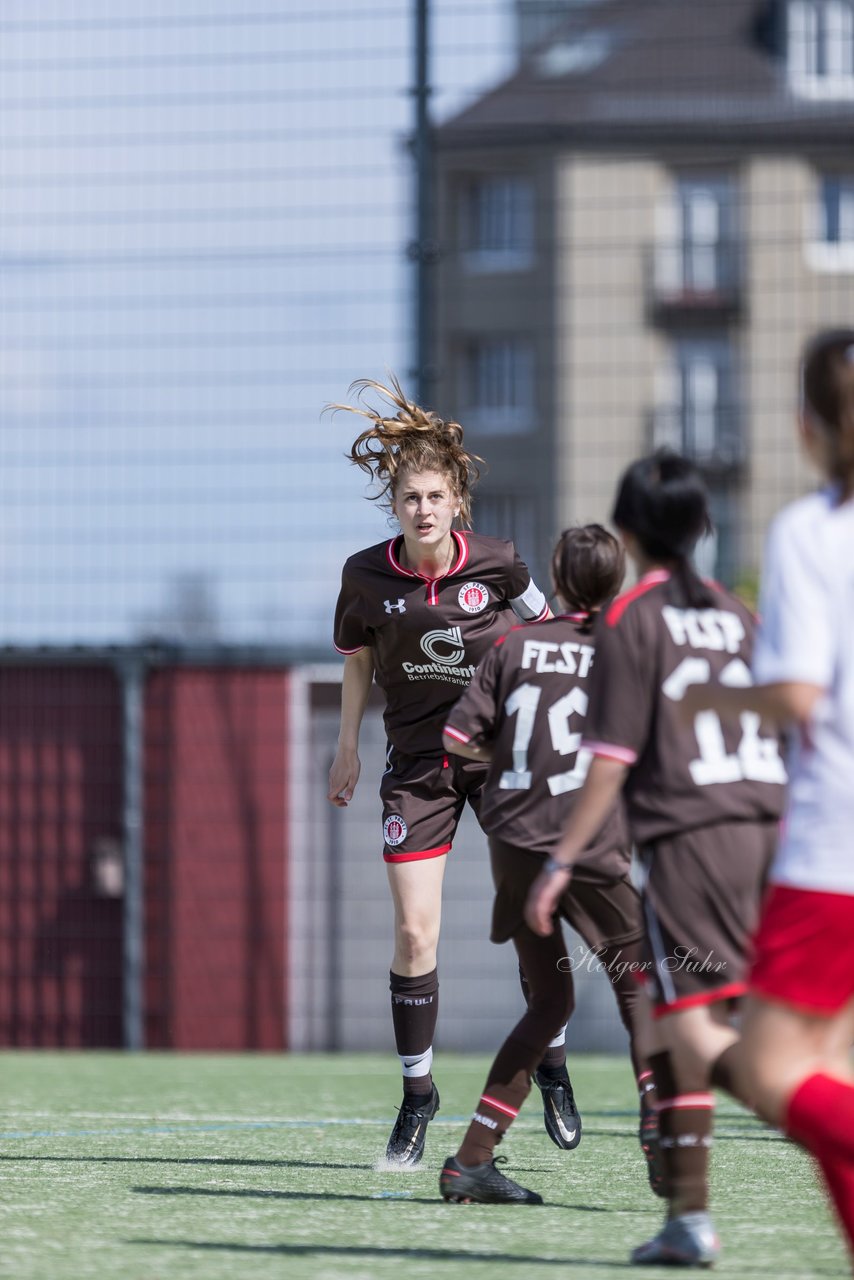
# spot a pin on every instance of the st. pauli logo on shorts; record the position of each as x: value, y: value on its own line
x: 473, y: 597
x: 394, y: 830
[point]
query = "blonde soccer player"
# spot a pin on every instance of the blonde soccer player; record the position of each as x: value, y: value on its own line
x: 416, y: 613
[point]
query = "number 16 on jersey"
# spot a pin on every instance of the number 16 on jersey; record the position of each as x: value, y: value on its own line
x: 756, y: 758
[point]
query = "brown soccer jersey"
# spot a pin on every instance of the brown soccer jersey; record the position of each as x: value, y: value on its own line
x: 528, y: 702
x: 428, y: 635
x: 682, y: 776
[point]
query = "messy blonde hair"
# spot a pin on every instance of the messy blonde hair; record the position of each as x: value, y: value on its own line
x: 404, y: 437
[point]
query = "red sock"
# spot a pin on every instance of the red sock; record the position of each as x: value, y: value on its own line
x: 820, y: 1117
x: 839, y: 1180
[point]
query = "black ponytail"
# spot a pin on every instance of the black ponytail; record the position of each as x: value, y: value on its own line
x: 663, y: 502
x: 687, y: 588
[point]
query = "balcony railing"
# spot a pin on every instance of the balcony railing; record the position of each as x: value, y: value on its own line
x: 684, y: 279
x: 712, y: 438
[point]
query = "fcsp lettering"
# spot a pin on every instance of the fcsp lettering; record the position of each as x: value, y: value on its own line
x: 714, y: 629
x: 567, y: 659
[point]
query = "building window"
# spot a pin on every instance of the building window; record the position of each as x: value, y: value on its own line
x: 839, y: 40
x: 820, y: 40
x: 508, y: 515
x: 830, y: 242
x: 497, y: 223
x: 697, y: 250
x: 498, y: 385
x: 837, y: 210
x: 716, y: 554
x: 697, y: 409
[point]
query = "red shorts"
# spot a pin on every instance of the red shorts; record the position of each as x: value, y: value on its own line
x: 804, y: 950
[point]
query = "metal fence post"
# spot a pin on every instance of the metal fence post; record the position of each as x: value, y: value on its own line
x: 335, y: 917
x: 131, y: 668
x: 423, y: 249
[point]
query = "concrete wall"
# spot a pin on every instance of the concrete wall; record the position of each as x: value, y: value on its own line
x: 606, y: 353
x: 794, y: 290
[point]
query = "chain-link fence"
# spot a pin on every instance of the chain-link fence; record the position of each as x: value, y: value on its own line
x: 637, y: 211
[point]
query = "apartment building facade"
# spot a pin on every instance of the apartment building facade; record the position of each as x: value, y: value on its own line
x: 638, y: 230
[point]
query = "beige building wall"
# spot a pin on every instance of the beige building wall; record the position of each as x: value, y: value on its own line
x: 609, y: 352
x: 482, y: 304
x: 606, y: 352
x: 584, y: 304
x: 794, y: 290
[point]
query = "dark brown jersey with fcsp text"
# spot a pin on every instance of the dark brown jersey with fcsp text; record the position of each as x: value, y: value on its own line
x: 427, y: 635
x: 681, y: 775
x: 527, y: 703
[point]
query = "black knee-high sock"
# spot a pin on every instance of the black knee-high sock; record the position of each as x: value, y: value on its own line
x: 622, y: 965
x: 509, y: 1078
x: 414, y: 1009
x: 554, y: 1059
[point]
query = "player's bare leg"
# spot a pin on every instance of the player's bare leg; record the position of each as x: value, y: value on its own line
x: 781, y: 1047
x: 799, y: 1069
x: 416, y: 889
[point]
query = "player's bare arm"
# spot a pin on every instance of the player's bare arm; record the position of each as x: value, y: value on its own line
x: 467, y: 750
x: 355, y: 688
x: 597, y: 798
x: 786, y: 703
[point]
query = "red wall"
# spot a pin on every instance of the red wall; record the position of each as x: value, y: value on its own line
x: 215, y: 841
x: 60, y: 793
x: 215, y: 849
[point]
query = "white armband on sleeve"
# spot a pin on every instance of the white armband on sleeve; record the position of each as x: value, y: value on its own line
x: 531, y: 604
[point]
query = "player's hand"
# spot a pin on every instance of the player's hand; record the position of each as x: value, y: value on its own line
x: 343, y: 777
x: 543, y: 897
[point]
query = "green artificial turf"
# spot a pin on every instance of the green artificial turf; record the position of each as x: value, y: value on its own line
x: 154, y: 1167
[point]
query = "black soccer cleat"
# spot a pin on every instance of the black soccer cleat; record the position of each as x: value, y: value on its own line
x: 651, y: 1148
x: 406, y: 1144
x: 563, y: 1123
x: 482, y: 1184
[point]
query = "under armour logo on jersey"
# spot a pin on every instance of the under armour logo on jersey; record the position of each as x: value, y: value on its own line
x: 400, y: 606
